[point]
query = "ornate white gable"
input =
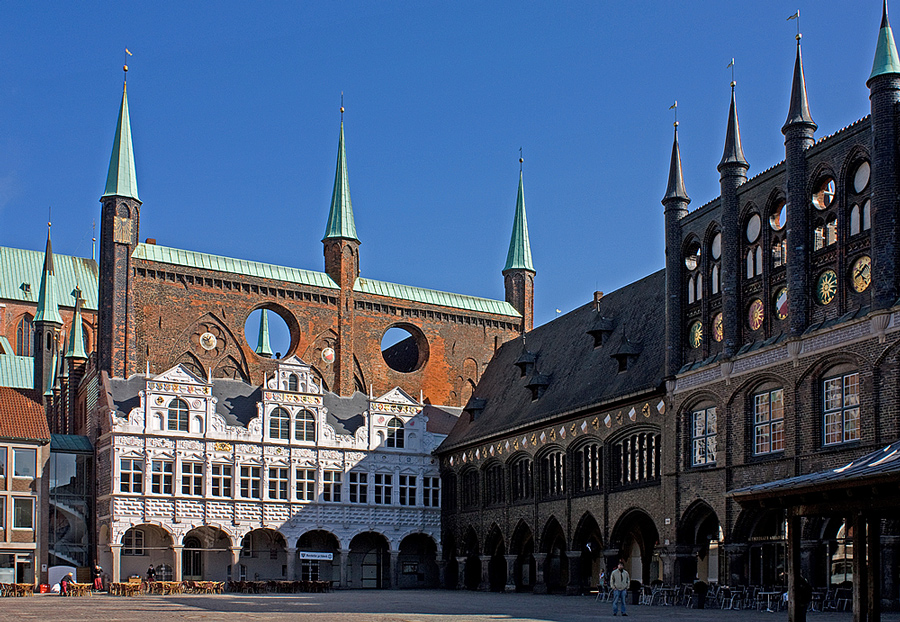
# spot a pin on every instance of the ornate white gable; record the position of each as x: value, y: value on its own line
x: 180, y: 374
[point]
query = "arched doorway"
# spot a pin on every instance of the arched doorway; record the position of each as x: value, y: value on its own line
x: 588, y: 542
x: 556, y: 564
x: 473, y: 560
x: 635, y: 536
x: 767, y: 547
x: 263, y: 556
x: 493, y: 546
x: 522, y: 546
x: 206, y: 555
x: 144, y: 546
x: 700, y: 530
x: 369, y: 561
x: 319, y: 554
x: 417, y: 562
x: 451, y: 566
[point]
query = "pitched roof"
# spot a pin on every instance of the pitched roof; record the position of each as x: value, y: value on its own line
x: 16, y: 372
x: 22, y: 415
x: 21, y: 270
x: 578, y: 374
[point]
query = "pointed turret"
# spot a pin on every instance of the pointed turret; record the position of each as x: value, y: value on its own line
x: 518, y: 274
x: 340, y: 218
x: 675, y: 189
x: 886, y: 59
x: 262, y: 343
x: 519, y: 255
x: 798, y: 113
x: 121, y: 180
x: 76, y: 333
x: 48, y: 305
x: 733, y: 154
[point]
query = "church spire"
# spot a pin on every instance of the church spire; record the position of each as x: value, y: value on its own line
x: 799, y: 110
x: 263, y: 348
x: 340, y: 218
x: 48, y: 305
x: 519, y: 255
x: 76, y: 332
x: 886, y: 59
x: 675, y: 189
x: 733, y: 154
x: 121, y: 180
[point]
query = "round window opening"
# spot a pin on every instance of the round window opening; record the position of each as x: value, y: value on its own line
x: 267, y: 333
x: 404, y: 348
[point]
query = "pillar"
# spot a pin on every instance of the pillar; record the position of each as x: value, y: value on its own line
x: 873, y: 544
x: 510, y: 573
x: 235, y: 563
x: 176, y: 562
x: 539, y: 586
x: 461, y: 571
x: 291, y: 571
x: 796, y: 609
x: 394, y: 571
x: 668, y: 562
x: 485, y: 584
x: 442, y: 573
x: 576, y: 581
x: 115, y: 571
x: 860, y: 572
x: 345, y: 560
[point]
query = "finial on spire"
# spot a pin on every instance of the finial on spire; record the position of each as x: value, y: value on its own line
x: 521, y: 159
x: 796, y: 16
x: 675, y: 108
x: 886, y: 58
x: 49, y: 213
x: 125, y: 66
x: 342, y: 106
x: 731, y: 65
x: 94, y: 240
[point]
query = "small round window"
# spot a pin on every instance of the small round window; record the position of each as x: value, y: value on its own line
x: 778, y: 219
x: 715, y: 249
x: 753, y: 228
x: 861, y: 177
x: 824, y: 196
x: 404, y: 348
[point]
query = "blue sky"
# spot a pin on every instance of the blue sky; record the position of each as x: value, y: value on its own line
x: 234, y: 109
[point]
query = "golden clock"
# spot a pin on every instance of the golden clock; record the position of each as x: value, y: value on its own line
x: 756, y: 314
x: 861, y: 273
x: 695, y: 335
x: 718, y: 332
x: 826, y: 287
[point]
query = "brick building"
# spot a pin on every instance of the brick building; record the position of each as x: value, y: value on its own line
x: 766, y: 349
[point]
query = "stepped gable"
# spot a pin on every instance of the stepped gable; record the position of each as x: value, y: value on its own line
x: 579, y: 375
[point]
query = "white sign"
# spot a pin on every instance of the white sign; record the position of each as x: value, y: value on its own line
x: 327, y: 557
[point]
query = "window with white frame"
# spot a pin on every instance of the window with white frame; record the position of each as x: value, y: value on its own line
x: 305, y: 427
x: 359, y: 487
x: 178, y: 415
x: 306, y: 484
x: 192, y: 478
x: 331, y: 486
x: 841, y: 409
x: 221, y: 480
x: 703, y: 436
x: 395, y: 434
x: 278, y: 483
x: 280, y: 424
x: 23, y: 513
x: 131, y: 475
x: 133, y: 542
x: 24, y: 462
x: 407, y: 489
x: 251, y: 486
x: 431, y: 492
x: 384, y: 488
x: 768, y: 422
x: 161, y: 477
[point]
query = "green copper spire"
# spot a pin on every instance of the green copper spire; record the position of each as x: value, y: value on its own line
x: 886, y: 59
x: 48, y: 305
x: 519, y: 255
x: 121, y: 180
x: 76, y: 334
x: 262, y: 344
x: 340, y: 218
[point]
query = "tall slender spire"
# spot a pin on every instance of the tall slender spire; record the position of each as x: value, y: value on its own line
x: 121, y: 180
x: 340, y: 218
x: 799, y: 110
x: 263, y: 348
x: 48, y: 304
x: 519, y: 255
x: 76, y: 333
x: 675, y: 189
x: 733, y: 154
x: 886, y: 59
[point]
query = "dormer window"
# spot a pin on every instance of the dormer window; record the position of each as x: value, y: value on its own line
x: 601, y: 330
x: 525, y: 363
x: 626, y: 354
x: 538, y: 384
x: 474, y: 407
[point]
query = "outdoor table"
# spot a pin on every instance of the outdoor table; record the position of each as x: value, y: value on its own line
x: 80, y: 589
x: 769, y: 596
x: 668, y: 595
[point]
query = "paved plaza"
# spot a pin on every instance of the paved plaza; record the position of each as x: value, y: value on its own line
x: 366, y: 606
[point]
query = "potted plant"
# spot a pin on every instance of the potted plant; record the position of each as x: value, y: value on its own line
x: 700, y: 590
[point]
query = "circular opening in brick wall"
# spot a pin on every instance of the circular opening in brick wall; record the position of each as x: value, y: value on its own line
x: 274, y: 340
x: 404, y: 348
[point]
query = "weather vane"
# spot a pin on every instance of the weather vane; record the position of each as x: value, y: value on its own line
x: 796, y: 16
x: 675, y: 108
x: 731, y: 64
x: 125, y: 65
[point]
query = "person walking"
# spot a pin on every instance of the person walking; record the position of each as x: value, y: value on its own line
x: 619, y: 581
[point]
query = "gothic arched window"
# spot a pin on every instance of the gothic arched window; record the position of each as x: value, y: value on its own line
x: 24, y: 336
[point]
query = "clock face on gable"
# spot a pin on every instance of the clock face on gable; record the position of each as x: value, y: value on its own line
x: 718, y: 329
x: 826, y: 287
x: 695, y: 335
x: 861, y: 273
